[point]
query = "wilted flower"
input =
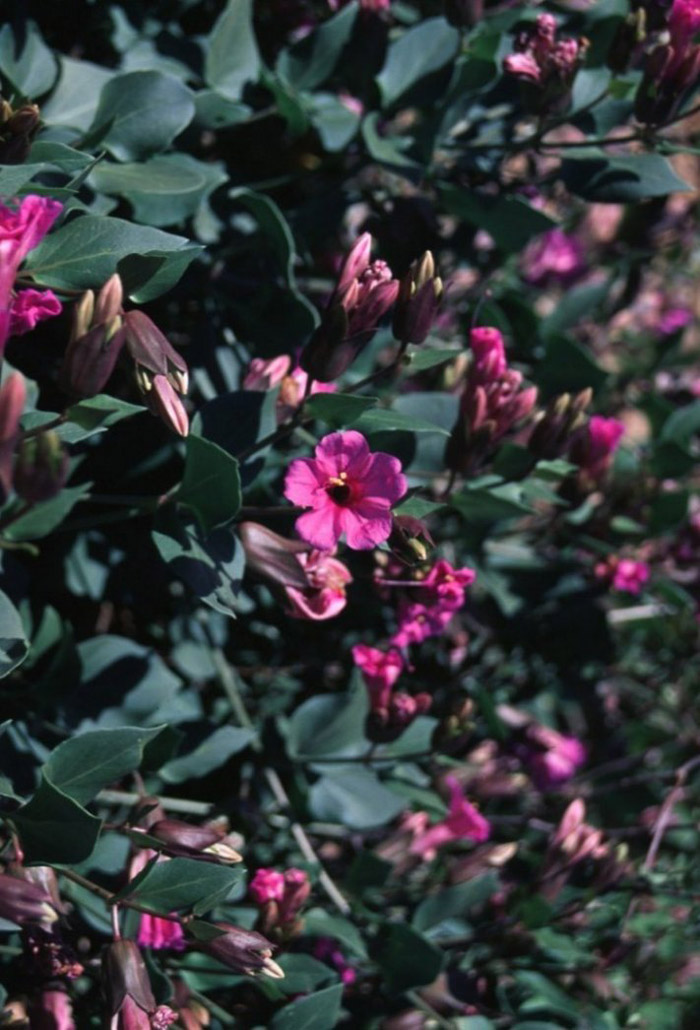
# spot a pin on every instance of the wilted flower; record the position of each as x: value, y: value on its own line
x: 547, y: 66
x: 267, y: 373
x: 364, y: 294
x: 245, y: 951
x: 323, y: 597
x: 463, y: 822
x: 350, y: 489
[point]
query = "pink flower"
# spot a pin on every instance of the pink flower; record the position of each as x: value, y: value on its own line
x: 293, y: 391
x: 674, y: 319
x: 21, y: 229
x: 157, y: 932
x: 489, y: 354
x: 350, y: 490
x: 324, y: 598
x: 594, y: 451
x: 267, y: 885
x: 380, y: 671
x: 551, y: 757
x: 418, y: 622
x: 266, y: 373
x: 30, y: 307
x: 523, y: 65
x: 463, y: 822
x: 630, y: 576
x: 552, y: 257
x: 446, y: 585
x: 683, y: 23
x: 326, y: 949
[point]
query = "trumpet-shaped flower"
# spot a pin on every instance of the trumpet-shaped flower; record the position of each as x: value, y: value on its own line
x: 463, y: 822
x: 350, y: 489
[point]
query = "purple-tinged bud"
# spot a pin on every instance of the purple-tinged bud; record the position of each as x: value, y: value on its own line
x: 273, y: 556
x: 164, y: 402
x: 356, y: 262
x: 83, y: 312
x: 24, y: 121
x: 41, y: 468
x: 243, y: 950
x: 22, y: 902
x: 53, y: 1010
x: 124, y: 976
x: 90, y: 359
x: 152, y: 352
x: 108, y: 305
x: 13, y: 396
x: 410, y: 539
x: 559, y: 424
x: 417, y: 302
x: 183, y: 839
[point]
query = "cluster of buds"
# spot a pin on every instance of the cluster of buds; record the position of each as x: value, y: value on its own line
x: 281, y: 897
x: 244, y: 951
x: 594, y: 448
x: 96, y: 339
x: 127, y: 990
x: 178, y: 839
x: 309, y: 583
x: 417, y: 302
x: 644, y: 17
x: 672, y: 69
x: 558, y: 425
x: 627, y: 575
x: 293, y: 382
x: 364, y: 293
x: 390, y: 711
x: 545, y: 65
x: 18, y: 127
x: 161, y: 374
x: 575, y: 841
x: 493, y: 402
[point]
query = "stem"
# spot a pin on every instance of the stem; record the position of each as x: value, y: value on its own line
x: 228, y: 682
x: 665, y: 815
x: 124, y: 797
x: 109, y: 898
x: 53, y: 423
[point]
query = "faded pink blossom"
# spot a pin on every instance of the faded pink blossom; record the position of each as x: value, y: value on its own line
x: 324, y: 598
x: 267, y: 885
x: 630, y: 576
x: 30, y: 307
x: 157, y: 932
x: 350, y: 489
x: 463, y: 822
x: 266, y: 373
x: 594, y: 451
x: 552, y: 257
x: 446, y: 585
x: 326, y: 950
x: 551, y: 757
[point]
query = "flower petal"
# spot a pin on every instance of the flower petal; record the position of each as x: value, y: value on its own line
x: 303, y: 484
x: 321, y: 527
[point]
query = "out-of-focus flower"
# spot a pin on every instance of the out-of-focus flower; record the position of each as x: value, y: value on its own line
x: 545, y: 64
x: 52, y: 1010
x: 326, y: 949
x: 41, y: 468
x: 493, y: 402
x: 267, y: 885
x: 593, y: 451
x: 418, y: 622
x: 551, y: 758
x: 672, y: 69
x: 266, y: 374
x: 683, y: 23
x: 324, y: 595
x: 463, y: 822
x: 30, y: 307
x: 380, y: 669
x: 364, y: 294
x: 420, y: 293
x: 390, y: 711
x: 245, y: 951
x: 350, y: 489
x: 24, y: 902
x: 281, y: 897
x: 21, y: 228
x: 553, y: 257
x: 574, y: 841
x: 674, y: 319
x: 626, y: 574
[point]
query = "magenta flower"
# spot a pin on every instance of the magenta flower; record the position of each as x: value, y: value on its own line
x: 281, y: 897
x: 630, y: 576
x: 551, y: 757
x: 266, y: 885
x: 350, y: 489
x: 463, y: 822
x: 30, y: 307
x: 266, y: 373
x: 594, y: 451
x: 380, y: 669
x: 446, y: 585
x: 326, y: 949
x: 157, y: 932
x: 489, y: 354
x: 683, y: 23
x: 324, y: 598
x: 418, y: 622
x: 552, y: 257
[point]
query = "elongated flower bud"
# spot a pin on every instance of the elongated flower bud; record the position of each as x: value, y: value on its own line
x: 183, y: 839
x: 419, y: 296
x: 243, y: 950
x: 23, y: 902
x: 41, y: 468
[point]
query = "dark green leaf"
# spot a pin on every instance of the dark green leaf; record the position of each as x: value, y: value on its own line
x: 182, y: 883
x: 319, y: 1011
x: 329, y: 725
x: 44, y: 517
x: 95, y: 415
x: 575, y: 305
x: 82, y: 766
x: 212, y: 753
x: 388, y: 150
x: 354, y: 797
x: 511, y: 221
x: 140, y: 113
x: 567, y: 366
x: 232, y: 57
x: 454, y: 901
x: 338, y: 409
x: 308, y: 63
x: 388, y: 420
x: 74, y: 101
x: 14, y: 645
x: 319, y: 923
x: 211, y: 485
x: 424, y: 49
x: 55, y: 829
x: 622, y: 179
x: 407, y: 959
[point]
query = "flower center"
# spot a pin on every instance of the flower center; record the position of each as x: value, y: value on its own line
x: 338, y: 488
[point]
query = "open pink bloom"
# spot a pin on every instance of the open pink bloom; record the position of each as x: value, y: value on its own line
x: 324, y: 598
x: 551, y: 757
x: 683, y: 23
x: 21, y: 229
x: 594, y: 451
x: 267, y: 885
x: 552, y: 257
x: 463, y: 822
x: 350, y: 489
x: 446, y: 585
x: 630, y: 576
x: 266, y: 373
x: 156, y: 932
x: 30, y: 307
x: 380, y: 669
x: 418, y: 622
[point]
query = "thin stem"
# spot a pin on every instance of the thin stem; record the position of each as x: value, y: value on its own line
x: 435, y: 1017
x: 109, y: 898
x: 54, y: 423
x: 124, y: 797
x: 228, y: 681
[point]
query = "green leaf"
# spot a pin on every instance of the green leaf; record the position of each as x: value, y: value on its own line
x: 334, y: 121
x: 82, y: 766
x: 575, y: 305
x: 14, y: 645
x: 232, y: 57
x: 304, y: 974
x: 454, y: 901
x: 27, y: 61
x: 329, y: 725
x: 140, y: 113
x: 407, y: 959
x: 422, y: 358
x: 418, y: 507
x: 95, y: 415
x: 46, y: 516
x: 543, y: 995
x: 338, y: 409
x: 74, y: 100
x: 212, y: 566
x: 211, y: 485
x: 211, y: 754
x: 387, y: 420
x: 424, y: 49
x: 623, y: 179
x: 682, y: 425
x: 84, y: 253
x: 511, y: 221
x: 354, y: 797
x: 183, y: 883
x: 55, y: 829
x: 568, y: 366
x: 482, y: 505
x: 319, y: 923
x: 146, y: 276
x: 319, y: 1011
x: 164, y: 190
x: 216, y: 112
x: 308, y: 63
x: 388, y: 150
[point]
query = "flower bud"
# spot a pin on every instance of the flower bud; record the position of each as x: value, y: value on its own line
x: 13, y: 395
x: 17, y: 129
x: 164, y: 402
x: 184, y: 840
x: 23, y: 902
x: 272, y: 555
x: 41, y: 468
x: 109, y: 301
x: 90, y: 359
x: 124, y: 976
x: 245, y: 951
x: 152, y: 352
x: 420, y: 293
x: 410, y: 539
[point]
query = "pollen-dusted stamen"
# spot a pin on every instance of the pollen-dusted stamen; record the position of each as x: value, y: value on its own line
x: 338, y: 488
